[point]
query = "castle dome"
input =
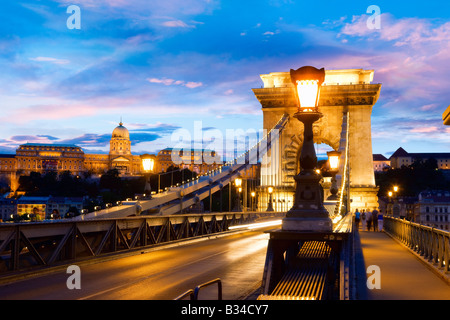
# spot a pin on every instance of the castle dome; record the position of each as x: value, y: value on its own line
x: 121, y: 132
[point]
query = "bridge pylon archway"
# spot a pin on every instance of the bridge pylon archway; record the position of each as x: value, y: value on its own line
x: 347, y: 91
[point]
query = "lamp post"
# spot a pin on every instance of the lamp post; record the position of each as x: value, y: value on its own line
x: 148, y: 163
x: 390, y: 202
x: 253, y: 194
x: 238, y: 183
x: 308, y: 212
x: 333, y: 159
x: 269, y: 206
x: 396, y: 207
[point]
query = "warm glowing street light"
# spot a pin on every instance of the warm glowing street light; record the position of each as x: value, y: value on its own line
x: 333, y: 159
x: 395, y: 188
x: 269, y: 206
x: 308, y: 212
x: 148, y: 164
x: 238, y: 184
x: 308, y: 81
x: 253, y: 194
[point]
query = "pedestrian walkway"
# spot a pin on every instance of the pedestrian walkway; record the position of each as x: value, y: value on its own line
x: 402, y: 275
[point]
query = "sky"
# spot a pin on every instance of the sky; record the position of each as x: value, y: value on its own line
x: 168, y: 65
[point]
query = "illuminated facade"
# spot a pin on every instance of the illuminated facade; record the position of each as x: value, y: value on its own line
x: 402, y: 158
x: 380, y: 163
x: 191, y: 159
x: 36, y: 157
x: 42, y: 158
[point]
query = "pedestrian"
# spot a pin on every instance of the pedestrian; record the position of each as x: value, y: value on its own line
x: 363, y: 220
x: 380, y: 221
x: 357, y: 219
x: 369, y: 219
x: 375, y: 219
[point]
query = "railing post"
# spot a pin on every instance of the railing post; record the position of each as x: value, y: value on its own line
x: 219, y: 288
x: 15, y: 250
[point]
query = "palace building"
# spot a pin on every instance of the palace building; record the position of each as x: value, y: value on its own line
x: 192, y: 159
x: 37, y: 157
x: 403, y: 158
x: 42, y: 158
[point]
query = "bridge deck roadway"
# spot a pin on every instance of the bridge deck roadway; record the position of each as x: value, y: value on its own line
x: 403, y: 275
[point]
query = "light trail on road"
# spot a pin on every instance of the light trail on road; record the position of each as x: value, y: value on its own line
x: 237, y: 259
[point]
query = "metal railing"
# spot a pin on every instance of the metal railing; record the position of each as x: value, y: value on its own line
x: 43, y: 244
x: 430, y: 243
x: 193, y: 293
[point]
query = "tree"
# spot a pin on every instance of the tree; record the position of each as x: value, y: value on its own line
x: 111, y: 180
x: 419, y: 176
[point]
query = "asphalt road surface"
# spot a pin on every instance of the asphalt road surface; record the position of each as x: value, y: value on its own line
x: 238, y: 260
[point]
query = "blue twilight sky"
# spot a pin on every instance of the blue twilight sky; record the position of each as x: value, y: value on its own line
x: 161, y: 65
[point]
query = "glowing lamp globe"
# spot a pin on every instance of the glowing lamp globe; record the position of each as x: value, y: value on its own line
x: 307, y: 82
x: 333, y: 159
x: 148, y: 163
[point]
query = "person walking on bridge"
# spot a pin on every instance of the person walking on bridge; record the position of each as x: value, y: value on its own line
x: 357, y: 219
x: 380, y: 221
x: 363, y: 220
x: 375, y: 219
x: 369, y: 219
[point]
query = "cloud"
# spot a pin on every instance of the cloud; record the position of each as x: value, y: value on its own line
x: 425, y: 129
x: 89, y: 140
x: 404, y: 31
x: 48, y: 112
x: 176, y: 24
x: 193, y: 84
x: 102, y: 140
x: 50, y: 59
x: 169, y: 82
x: 158, y: 128
x: 32, y: 138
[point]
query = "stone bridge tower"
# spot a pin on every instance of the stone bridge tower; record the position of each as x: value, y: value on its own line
x: 348, y: 90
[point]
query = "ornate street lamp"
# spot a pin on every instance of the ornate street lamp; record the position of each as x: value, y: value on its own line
x: 238, y: 183
x: 333, y: 159
x: 390, y: 202
x: 148, y: 163
x: 253, y: 194
x: 269, y: 206
x: 308, y: 212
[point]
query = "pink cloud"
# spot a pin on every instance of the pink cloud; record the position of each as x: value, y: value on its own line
x: 169, y: 82
x: 193, y: 84
x: 410, y: 55
x: 56, y: 112
x: 176, y: 24
x: 424, y: 130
